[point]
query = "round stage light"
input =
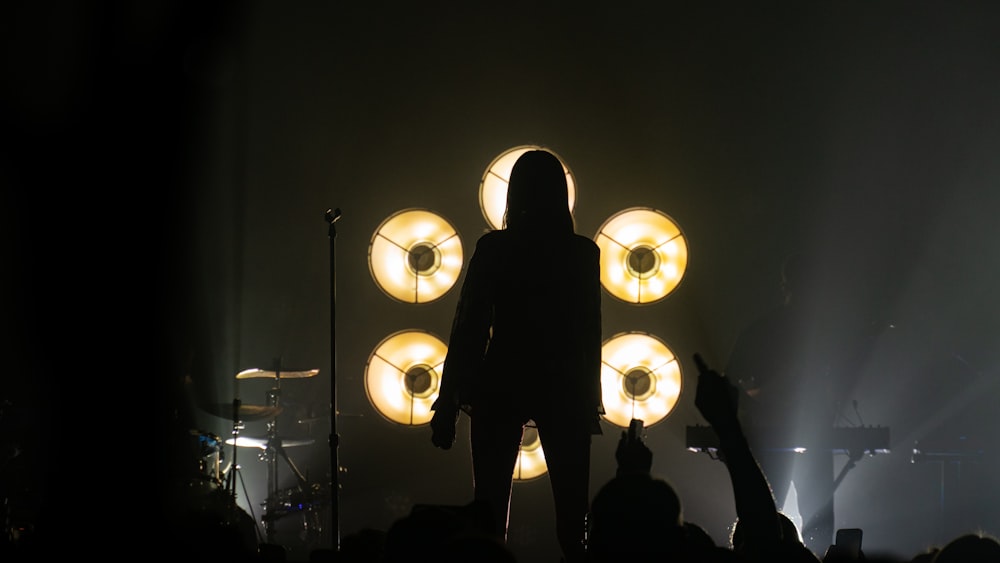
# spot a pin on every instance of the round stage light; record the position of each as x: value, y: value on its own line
x: 640, y: 378
x: 643, y: 255
x: 415, y: 256
x: 403, y: 376
x: 493, y: 186
x: 530, y: 459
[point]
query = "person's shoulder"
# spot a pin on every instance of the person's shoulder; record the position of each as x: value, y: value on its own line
x: 494, y: 243
x: 493, y: 234
x: 585, y: 243
x: 496, y: 236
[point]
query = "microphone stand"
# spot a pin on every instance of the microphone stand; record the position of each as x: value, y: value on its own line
x: 332, y: 216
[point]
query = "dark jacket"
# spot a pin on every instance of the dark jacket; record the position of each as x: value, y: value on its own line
x: 527, y: 329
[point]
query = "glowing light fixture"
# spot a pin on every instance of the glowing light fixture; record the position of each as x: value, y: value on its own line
x: 531, y: 459
x: 403, y: 376
x: 415, y: 256
x: 643, y: 255
x: 640, y: 378
x: 493, y: 186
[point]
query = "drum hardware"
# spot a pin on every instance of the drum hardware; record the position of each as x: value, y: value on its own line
x: 262, y: 442
x: 273, y: 445
x: 239, y: 414
x: 295, y: 500
x: 306, y: 504
x: 211, y: 492
x: 245, y: 413
x: 208, y: 455
x: 277, y: 373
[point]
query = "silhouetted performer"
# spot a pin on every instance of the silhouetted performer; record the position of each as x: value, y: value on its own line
x: 787, y: 366
x: 525, y: 346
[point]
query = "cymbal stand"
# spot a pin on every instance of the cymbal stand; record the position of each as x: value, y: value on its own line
x: 234, y: 466
x: 234, y: 472
x: 272, y: 452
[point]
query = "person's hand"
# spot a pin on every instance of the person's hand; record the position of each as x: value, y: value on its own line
x: 715, y: 397
x: 632, y: 454
x: 838, y: 554
x: 443, y: 425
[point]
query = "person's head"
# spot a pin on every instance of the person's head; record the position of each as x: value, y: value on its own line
x: 437, y: 532
x: 537, y: 194
x: 969, y: 548
x: 635, y: 515
x: 695, y: 534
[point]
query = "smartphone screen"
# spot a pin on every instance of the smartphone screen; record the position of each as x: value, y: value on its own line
x: 849, y: 539
x: 635, y: 429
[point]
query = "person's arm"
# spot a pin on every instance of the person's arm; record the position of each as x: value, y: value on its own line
x: 716, y: 399
x: 593, y: 333
x: 470, y: 332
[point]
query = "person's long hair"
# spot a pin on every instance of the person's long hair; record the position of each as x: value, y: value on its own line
x: 538, y: 196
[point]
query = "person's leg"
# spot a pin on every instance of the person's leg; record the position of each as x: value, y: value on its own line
x: 496, y: 439
x: 567, y: 456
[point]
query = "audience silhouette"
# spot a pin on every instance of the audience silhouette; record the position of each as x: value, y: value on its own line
x: 446, y: 534
x: 969, y: 548
x: 634, y: 517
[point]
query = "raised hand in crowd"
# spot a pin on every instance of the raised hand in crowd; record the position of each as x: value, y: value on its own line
x: 632, y: 453
x: 763, y: 540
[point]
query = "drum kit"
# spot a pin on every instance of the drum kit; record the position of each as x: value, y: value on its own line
x: 304, y: 498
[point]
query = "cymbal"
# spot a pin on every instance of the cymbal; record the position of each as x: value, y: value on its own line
x: 262, y: 442
x: 247, y: 413
x: 290, y: 374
